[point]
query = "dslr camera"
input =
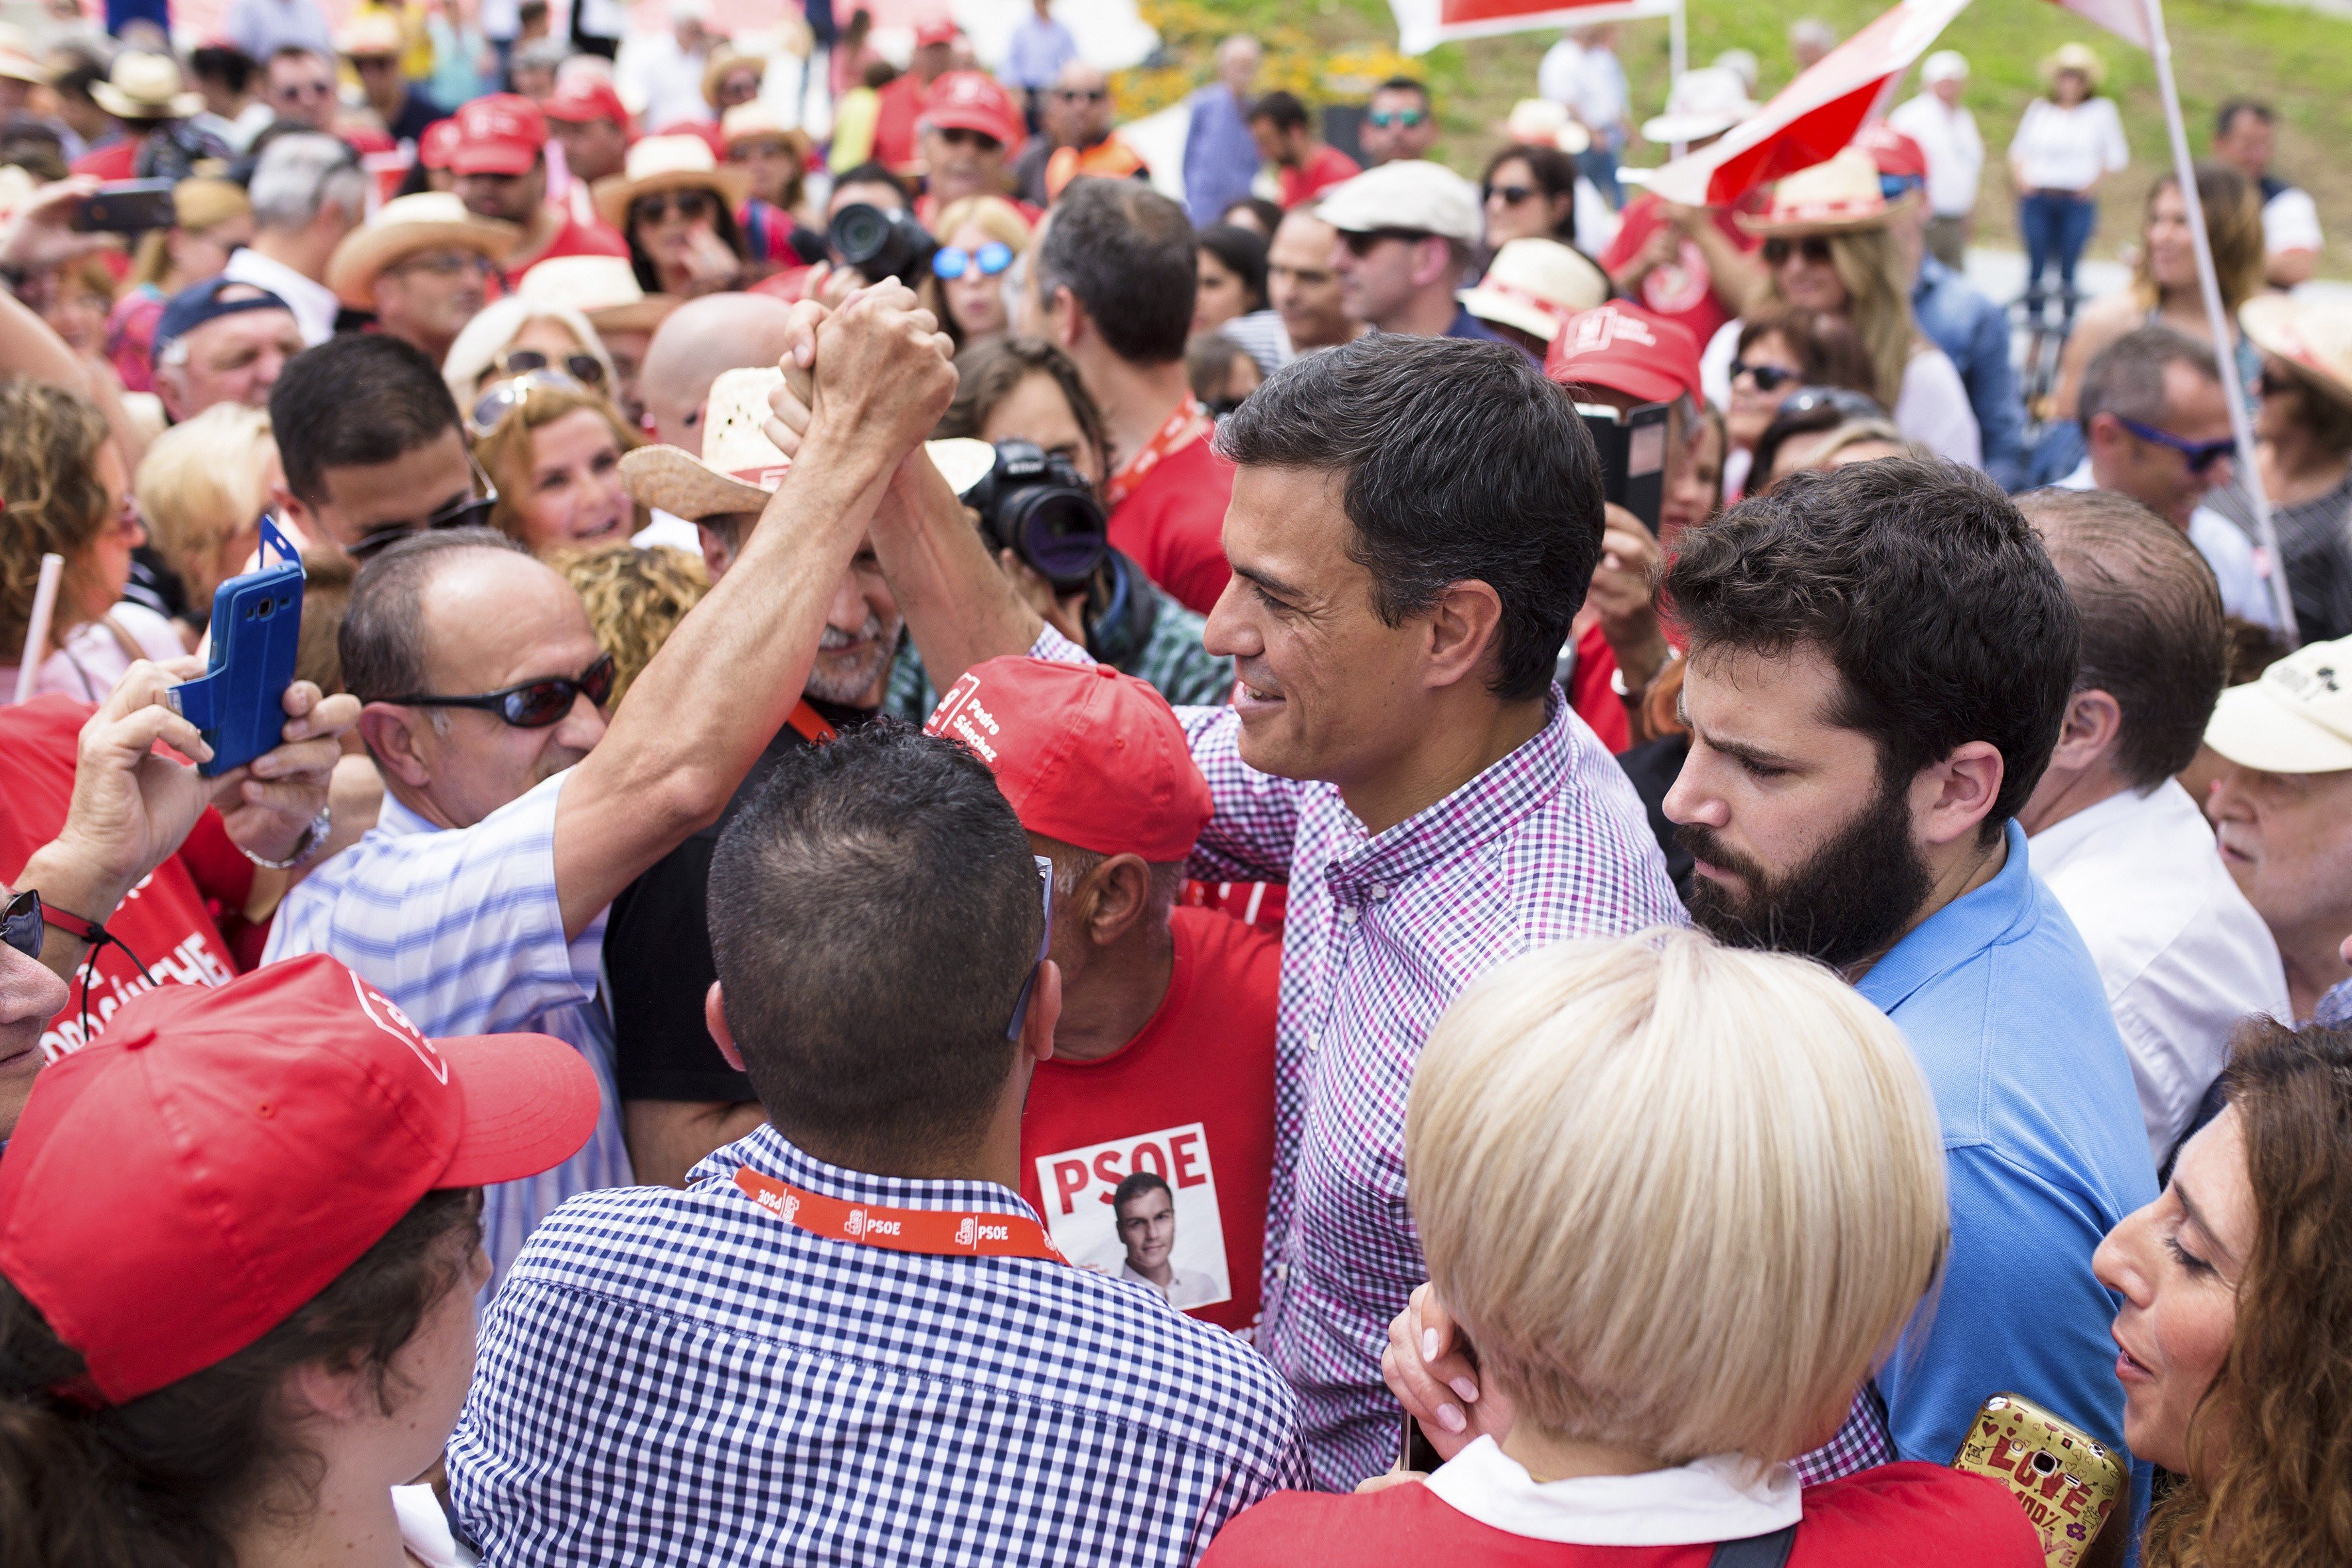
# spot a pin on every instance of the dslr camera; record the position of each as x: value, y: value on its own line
x: 880, y: 244
x: 1037, y: 505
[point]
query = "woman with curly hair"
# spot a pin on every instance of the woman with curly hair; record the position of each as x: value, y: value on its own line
x: 67, y: 494
x: 635, y: 598
x: 2236, y: 1329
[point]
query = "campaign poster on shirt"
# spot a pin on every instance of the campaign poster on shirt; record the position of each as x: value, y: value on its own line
x: 1142, y: 1208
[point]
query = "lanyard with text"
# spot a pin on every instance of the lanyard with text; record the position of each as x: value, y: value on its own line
x: 946, y: 1233
x: 809, y: 723
x: 1187, y: 425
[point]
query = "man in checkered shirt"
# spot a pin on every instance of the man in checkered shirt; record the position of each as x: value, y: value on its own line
x: 809, y: 1355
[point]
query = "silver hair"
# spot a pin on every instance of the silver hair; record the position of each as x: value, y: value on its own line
x: 302, y: 174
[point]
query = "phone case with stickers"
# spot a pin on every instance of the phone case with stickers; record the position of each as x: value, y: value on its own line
x: 2066, y: 1481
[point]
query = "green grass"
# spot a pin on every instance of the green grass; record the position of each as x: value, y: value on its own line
x: 2297, y: 61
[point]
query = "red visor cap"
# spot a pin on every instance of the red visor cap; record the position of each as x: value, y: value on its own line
x: 1085, y: 755
x: 589, y: 98
x: 501, y: 134
x: 1622, y: 347
x: 178, y: 1188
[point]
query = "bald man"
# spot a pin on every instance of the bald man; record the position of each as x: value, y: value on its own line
x: 685, y: 355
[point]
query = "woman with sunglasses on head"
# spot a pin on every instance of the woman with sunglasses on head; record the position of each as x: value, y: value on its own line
x: 515, y: 336
x: 980, y: 236
x: 674, y: 204
x: 552, y: 448
x: 1780, y: 351
x: 1827, y: 250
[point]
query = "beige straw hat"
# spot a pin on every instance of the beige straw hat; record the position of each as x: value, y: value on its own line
x: 602, y: 288
x: 429, y: 220
x: 1837, y: 196
x: 667, y: 163
x: 146, y: 86
x: 2313, y: 335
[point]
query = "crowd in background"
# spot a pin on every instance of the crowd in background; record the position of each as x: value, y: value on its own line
x: 969, y: 862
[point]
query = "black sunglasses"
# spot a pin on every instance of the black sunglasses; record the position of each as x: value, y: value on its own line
x: 1843, y: 403
x: 584, y: 368
x: 1769, y: 377
x: 21, y: 924
x: 1361, y: 244
x: 1512, y: 194
x: 1814, y: 249
x: 2199, y: 456
x: 468, y: 510
x: 535, y: 704
x: 687, y: 204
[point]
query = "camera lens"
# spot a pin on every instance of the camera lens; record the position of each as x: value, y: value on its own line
x: 1061, y: 535
x: 860, y: 233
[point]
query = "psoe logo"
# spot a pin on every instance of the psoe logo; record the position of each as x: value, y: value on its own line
x: 967, y: 1232
x: 854, y: 1226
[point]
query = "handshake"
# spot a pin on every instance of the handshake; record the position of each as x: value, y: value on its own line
x: 874, y: 370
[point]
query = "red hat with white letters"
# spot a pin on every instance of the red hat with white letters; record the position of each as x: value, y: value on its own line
x: 587, y: 99
x: 503, y: 133
x: 1623, y: 348
x: 1085, y: 755
x: 973, y: 100
x: 181, y: 1186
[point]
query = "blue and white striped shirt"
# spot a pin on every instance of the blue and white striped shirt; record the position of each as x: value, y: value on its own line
x: 461, y: 928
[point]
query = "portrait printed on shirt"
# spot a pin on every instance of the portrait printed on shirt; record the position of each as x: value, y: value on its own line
x: 1142, y: 1208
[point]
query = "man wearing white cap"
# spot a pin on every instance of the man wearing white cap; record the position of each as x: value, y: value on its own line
x: 2284, y: 809
x: 422, y: 265
x: 1947, y: 133
x: 1407, y: 231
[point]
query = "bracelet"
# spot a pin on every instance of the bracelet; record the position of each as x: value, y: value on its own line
x: 312, y: 837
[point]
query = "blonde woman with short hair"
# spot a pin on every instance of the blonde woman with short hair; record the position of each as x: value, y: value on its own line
x: 1682, y: 1199
x: 980, y: 239
x: 201, y: 489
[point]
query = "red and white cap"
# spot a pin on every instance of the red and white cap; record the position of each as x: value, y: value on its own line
x: 1893, y: 152
x: 938, y: 32
x: 1623, y: 348
x: 438, y: 146
x: 1085, y: 755
x: 585, y: 99
x: 503, y: 133
x: 973, y: 100
x: 217, y: 1157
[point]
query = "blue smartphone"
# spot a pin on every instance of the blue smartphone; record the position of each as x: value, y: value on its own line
x: 240, y: 702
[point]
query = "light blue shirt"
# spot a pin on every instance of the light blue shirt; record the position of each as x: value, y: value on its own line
x: 1221, y: 156
x: 2006, y: 1013
x: 1039, y: 48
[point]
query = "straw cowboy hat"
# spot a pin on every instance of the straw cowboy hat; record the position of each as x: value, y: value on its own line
x: 146, y: 86
x: 667, y: 163
x: 1536, y: 285
x: 602, y: 288
x: 2074, y: 58
x: 2313, y: 335
x: 739, y: 468
x: 16, y: 61
x: 1838, y: 196
x: 756, y: 121
x: 430, y: 220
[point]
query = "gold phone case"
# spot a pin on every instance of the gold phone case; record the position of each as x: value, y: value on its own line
x: 2067, y: 1481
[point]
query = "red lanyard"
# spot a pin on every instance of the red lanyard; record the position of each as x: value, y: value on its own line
x: 809, y: 723
x: 945, y: 1233
x: 1187, y: 425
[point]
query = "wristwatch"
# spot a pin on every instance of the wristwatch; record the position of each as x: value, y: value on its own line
x: 1617, y: 676
x: 312, y: 837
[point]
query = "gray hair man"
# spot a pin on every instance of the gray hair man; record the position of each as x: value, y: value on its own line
x: 309, y: 192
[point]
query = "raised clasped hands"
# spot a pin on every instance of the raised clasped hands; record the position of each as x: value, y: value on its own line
x: 882, y: 371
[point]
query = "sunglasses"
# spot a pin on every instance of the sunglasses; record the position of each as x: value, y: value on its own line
x: 689, y: 204
x: 1894, y: 188
x: 1384, y: 118
x: 21, y: 925
x: 1045, y: 947
x: 957, y: 136
x: 1814, y: 249
x: 1512, y: 194
x: 1842, y: 402
x: 535, y: 704
x: 2199, y: 455
x: 446, y: 264
x: 1083, y: 94
x: 492, y: 408
x: 1362, y: 244
x: 468, y: 510
x: 954, y: 262
x: 1769, y: 377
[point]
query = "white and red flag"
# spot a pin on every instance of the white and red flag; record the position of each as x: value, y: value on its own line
x: 2125, y: 18
x: 1423, y: 25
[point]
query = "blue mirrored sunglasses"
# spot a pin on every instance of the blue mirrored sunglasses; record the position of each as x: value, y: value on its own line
x: 990, y: 259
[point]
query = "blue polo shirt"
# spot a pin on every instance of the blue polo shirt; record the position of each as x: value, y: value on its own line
x: 2046, y: 1151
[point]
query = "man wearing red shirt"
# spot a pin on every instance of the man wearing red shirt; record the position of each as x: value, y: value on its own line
x: 1112, y: 285
x: 1306, y: 163
x: 1147, y: 1144
x: 499, y: 159
x: 902, y: 98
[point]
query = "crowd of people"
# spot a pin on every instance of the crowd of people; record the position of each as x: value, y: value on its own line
x: 1362, y: 865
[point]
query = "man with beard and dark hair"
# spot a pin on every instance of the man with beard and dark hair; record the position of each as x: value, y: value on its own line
x: 1880, y: 659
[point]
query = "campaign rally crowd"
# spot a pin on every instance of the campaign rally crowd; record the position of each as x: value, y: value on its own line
x: 964, y: 864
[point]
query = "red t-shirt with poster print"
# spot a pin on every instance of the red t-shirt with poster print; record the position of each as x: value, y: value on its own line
x: 1189, y: 1098
x: 1172, y: 524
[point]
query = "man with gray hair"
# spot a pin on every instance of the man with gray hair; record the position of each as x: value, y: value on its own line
x: 309, y: 192
x: 1221, y: 156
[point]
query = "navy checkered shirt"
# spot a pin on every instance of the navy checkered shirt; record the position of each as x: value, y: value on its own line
x: 682, y: 1377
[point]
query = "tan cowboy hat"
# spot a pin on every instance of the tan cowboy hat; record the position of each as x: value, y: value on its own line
x: 602, y: 288
x: 146, y: 86
x: 739, y: 468
x: 1838, y: 196
x: 726, y: 58
x: 2313, y: 335
x: 16, y: 61
x: 667, y: 163
x: 753, y: 121
x: 371, y: 35
x: 430, y: 220
x: 1536, y: 285
x: 2074, y: 58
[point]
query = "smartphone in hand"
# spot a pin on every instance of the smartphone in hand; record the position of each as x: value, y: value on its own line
x: 240, y: 702
x: 2067, y: 1481
x: 124, y: 206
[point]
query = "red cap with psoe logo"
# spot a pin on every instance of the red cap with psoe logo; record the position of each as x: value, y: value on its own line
x: 973, y: 100
x: 1623, y: 348
x: 501, y: 134
x: 1892, y: 151
x: 1085, y: 755
x: 587, y: 99
x: 439, y: 144
x: 179, y: 1188
x: 941, y: 32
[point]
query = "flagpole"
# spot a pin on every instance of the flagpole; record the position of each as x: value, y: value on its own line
x: 2234, y: 386
x: 1677, y: 55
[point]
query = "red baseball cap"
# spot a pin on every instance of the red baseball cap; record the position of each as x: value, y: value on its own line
x: 178, y: 1188
x: 1623, y: 348
x: 439, y: 144
x: 503, y: 133
x: 931, y: 33
x: 1085, y: 755
x: 1893, y: 152
x: 973, y: 100
x: 587, y: 99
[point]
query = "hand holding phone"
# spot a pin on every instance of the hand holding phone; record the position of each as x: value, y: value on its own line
x: 2067, y: 1481
x: 125, y: 207
x: 240, y: 703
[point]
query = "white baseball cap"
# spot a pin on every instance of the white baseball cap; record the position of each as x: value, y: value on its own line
x: 2298, y: 719
x: 1409, y: 194
x: 1944, y: 65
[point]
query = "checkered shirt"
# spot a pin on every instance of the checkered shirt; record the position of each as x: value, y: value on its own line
x: 1381, y: 933
x: 462, y: 929
x: 681, y: 1377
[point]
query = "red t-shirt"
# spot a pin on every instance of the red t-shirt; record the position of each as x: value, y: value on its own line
x: 1684, y: 289
x: 1172, y: 524
x: 574, y: 239
x: 1327, y: 168
x: 118, y: 159
x: 1916, y: 1515
x: 1191, y: 1099
x: 1589, y: 693
x: 165, y: 919
x: 898, y: 105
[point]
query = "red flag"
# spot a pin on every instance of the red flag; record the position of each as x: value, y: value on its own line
x: 1815, y: 116
x: 1423, y: 25
x: 2125, y: 18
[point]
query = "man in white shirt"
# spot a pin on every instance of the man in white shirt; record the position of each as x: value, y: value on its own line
x: 2183, y: 954
x: 309, y: 192
x: 1583, y: 72
x: 2244, y: 135
x: 660, y: 74
x: 1947, y: 133
x: 2158, y: 430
